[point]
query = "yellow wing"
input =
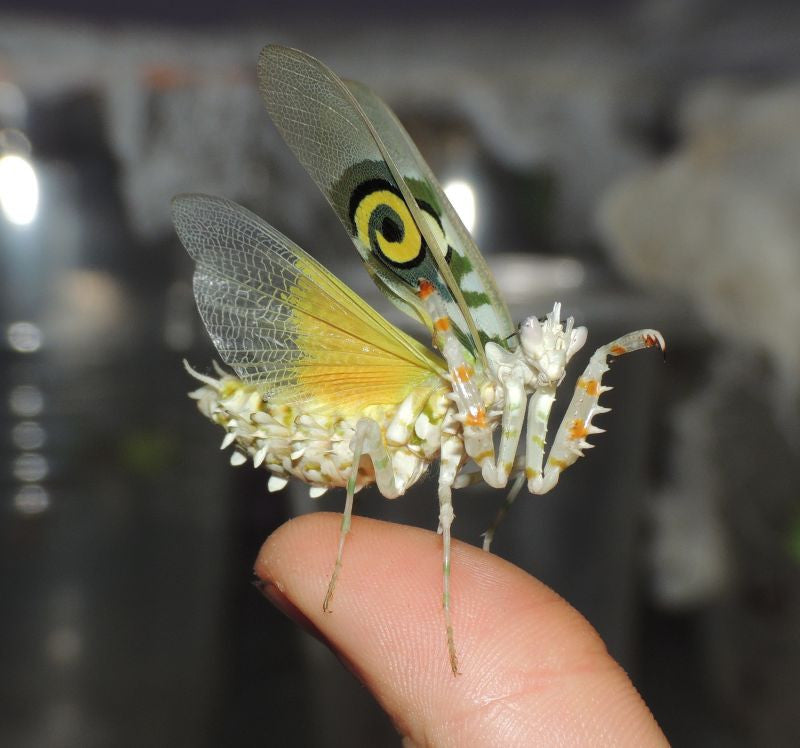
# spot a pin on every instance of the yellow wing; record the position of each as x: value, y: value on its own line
x: 282, y: 321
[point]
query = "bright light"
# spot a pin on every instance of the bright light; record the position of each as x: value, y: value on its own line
x: 24, y: 337
x: 28, y: 435
x: 462, y: 196
x: 26, y: 401
x: 31, y: 499
x: 30, y: 467
x: 19, y: 189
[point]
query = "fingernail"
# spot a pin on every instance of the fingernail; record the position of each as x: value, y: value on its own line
x: 275, y: 595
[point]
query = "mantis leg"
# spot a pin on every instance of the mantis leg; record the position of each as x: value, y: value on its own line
x: 539, y: 408
x: 538, y: 416
x: 511, y: 496
x: 576, y: 425
x: 479, y: 442
x: 478, y: 439
x: 366, y: 441
x: 452, y: 452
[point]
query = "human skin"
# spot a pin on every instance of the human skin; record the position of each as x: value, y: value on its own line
x: 532, y: 671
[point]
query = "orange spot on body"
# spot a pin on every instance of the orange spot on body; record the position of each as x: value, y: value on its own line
x: 530, y: 473
x: 463, y: 373
x: 650, y: 341
x: 476, y: 418
x: 578, y: 430
x: 618, y: 350
x: 425, y: 289
x: 592, y: 386
x: 483, y: 456
x: 560, y: 464
x: 442, y: 324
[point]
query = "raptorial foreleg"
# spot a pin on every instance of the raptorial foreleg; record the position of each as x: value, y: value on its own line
x: 479, y: 442
x: 570, y: 440
x: 477, y: 432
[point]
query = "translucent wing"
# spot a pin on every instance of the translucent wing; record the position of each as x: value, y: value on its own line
x: 391, y: 216
x: 282, y: 321
x: 467, y: 263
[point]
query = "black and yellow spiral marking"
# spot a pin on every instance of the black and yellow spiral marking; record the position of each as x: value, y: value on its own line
x: 383, y: 222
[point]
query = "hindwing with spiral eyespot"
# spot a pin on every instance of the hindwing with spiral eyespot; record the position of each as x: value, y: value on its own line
x: 380, y: 220
x: 345, y: 137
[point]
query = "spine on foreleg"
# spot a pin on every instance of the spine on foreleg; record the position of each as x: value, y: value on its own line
x: 570, y: 441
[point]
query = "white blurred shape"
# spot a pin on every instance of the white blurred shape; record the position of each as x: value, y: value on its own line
x: 24, y: 337
x: 28, y: 435
x: 13, y: 106
x: 30, y: 467
x: 19, y: 189
x: 88, y: 317
x: 462, y: 195
x: 31, y: 499
x: 523, y: 276
x: 26, y: 401
x: 717, y: 222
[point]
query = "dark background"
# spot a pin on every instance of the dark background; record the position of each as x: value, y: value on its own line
x: 636, y: 160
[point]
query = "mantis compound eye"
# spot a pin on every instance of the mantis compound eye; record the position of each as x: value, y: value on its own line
x: 577, y: 341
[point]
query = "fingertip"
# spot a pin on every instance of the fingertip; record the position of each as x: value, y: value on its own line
x: 532, y: 670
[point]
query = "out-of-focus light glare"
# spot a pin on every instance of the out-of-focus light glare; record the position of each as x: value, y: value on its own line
x: 26, y: 401
x: 13, y: 106
x: 24, y: 337
x: 91, y: 315
x: 28, y: 435
x: 462, y: 196
x: 522, y: 276
x: 31, y: 499
x: 568, y: 273
x: 19, y: 189
x: 30, y: 467
x: 64, y: 645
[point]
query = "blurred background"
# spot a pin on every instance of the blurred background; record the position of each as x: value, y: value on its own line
x: 638, y: 161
